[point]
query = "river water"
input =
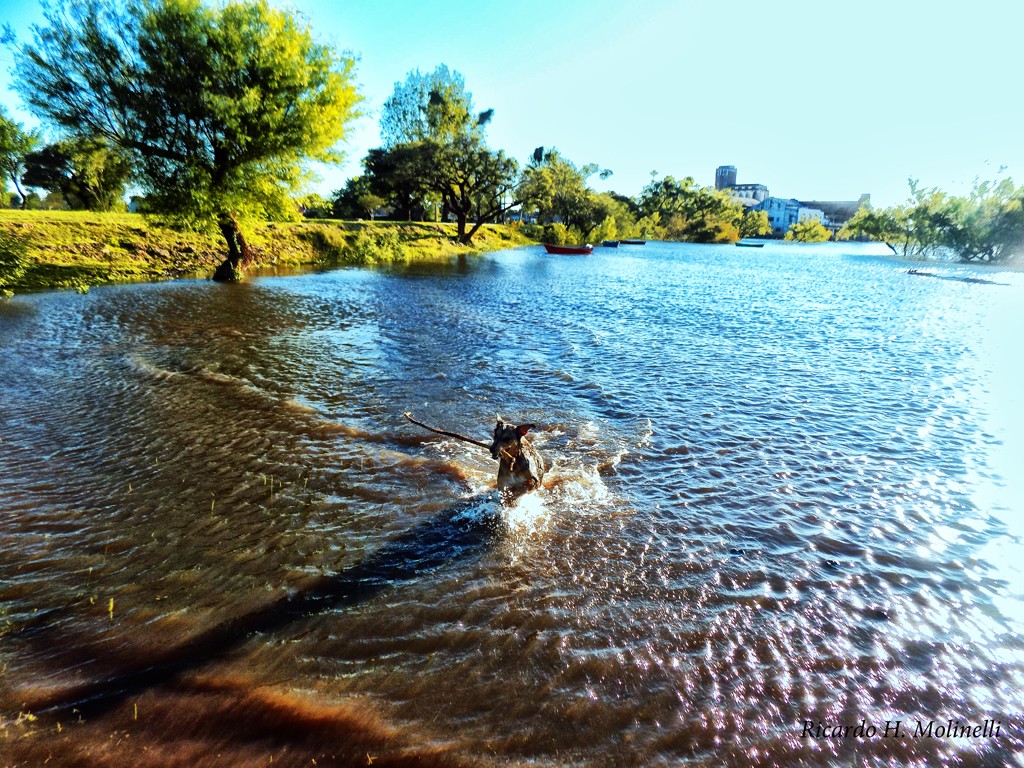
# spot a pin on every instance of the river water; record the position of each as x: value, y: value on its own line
x: 785, y: 498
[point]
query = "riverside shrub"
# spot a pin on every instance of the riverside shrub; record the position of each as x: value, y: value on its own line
x: 12, y: 261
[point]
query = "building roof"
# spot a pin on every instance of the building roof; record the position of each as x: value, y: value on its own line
x: 843, y: 209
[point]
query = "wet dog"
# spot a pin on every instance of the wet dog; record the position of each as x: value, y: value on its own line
x: 520, y: 467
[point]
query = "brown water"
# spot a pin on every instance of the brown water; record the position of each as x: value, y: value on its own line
x: 786, y: 488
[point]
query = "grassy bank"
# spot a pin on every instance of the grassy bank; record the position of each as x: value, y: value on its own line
x: 74, y: 249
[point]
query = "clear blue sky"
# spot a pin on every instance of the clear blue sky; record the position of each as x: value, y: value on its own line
x: 815, y: 100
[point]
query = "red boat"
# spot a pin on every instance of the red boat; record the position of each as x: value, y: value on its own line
x: 569, y: 249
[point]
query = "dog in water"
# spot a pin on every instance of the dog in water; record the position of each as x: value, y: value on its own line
x: 520, y: 467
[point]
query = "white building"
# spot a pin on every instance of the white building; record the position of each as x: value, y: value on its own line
x: 784, y: 213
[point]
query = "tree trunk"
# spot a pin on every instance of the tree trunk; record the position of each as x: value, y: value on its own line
x: 239, y: 255
x: 21, y: 192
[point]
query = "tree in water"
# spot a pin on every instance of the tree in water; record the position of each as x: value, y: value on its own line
x: 986, y: 225
x: 219, y: 108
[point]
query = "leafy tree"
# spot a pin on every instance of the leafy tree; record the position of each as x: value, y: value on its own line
x: 86, y: 172
x: 605, y: 230
x: 987, y: 224
x: 476, y: 184
x: 54, y: 201
x: 557, y: 189
x: 370, y: 204
x: 889, y: 226
x: 357, y: 200
x: 15, y: 144
x: 402, y: 175
x: 219, y: 107
x: 930, y: 214
x: 435, y: 106
x: 755, y: 224
x: 691, y: 212
x: 649, y: 226
x: 314, y: 206
x: 434, y: 153
x: 33, y: 202
x: 808, y: 231
x: 615, y: 215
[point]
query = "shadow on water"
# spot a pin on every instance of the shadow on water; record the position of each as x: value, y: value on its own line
x: 954, y: 278
x: 455, y: 535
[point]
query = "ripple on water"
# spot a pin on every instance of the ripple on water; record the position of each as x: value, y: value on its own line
x: 766, y: 504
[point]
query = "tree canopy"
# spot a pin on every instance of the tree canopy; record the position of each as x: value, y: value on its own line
x: 557, y: 189
x: 401, y: 175
x: 695, y: 213
x: 86, y: 172
x: 434, y: 106
x: 809, y: 230
x: 476, y: 184
x: 219, y: 108
x: 357, y: 200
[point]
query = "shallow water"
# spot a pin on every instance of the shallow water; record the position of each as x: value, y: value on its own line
x: 785, y: 491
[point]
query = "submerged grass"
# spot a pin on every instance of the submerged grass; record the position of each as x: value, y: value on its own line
x: 78, y: 249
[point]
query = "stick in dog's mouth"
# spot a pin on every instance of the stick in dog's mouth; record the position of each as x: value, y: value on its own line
x: 445, y: 432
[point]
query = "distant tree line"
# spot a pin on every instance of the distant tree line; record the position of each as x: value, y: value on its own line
x: 434, y: 164
x: 214, y: 113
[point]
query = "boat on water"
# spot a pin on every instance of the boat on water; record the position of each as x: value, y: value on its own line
x: 749, y: 245
x: 569, y: 249
x: 610, y: 244
x: 633, y: 242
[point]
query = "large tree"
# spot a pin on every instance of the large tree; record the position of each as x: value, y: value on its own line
x: 434, y: 151
x: 755, y: 224
x: 220, y: 107
x: 476, y: 184
x: 15, y: 144
x: 887, y: 225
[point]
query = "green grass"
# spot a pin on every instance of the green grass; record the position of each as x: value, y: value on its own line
x: 77, y: 249
x: 381, y: 242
